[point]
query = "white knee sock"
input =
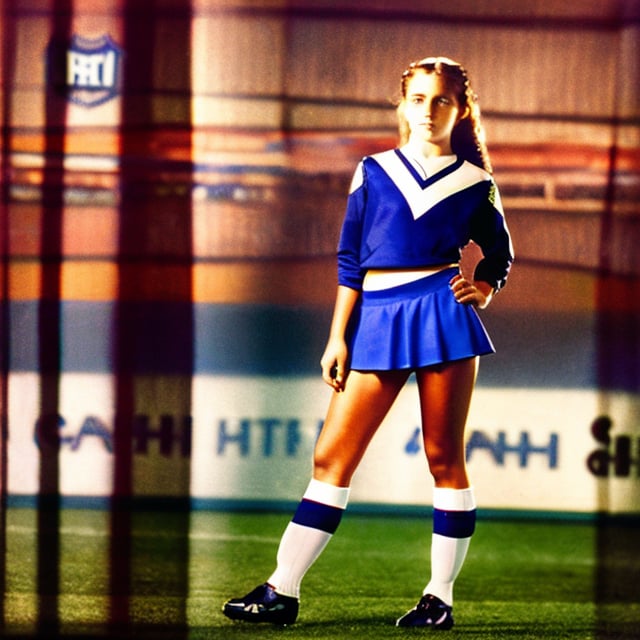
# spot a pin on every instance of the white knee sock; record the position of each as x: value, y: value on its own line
x: 306, y: 536
x: 454, y: 523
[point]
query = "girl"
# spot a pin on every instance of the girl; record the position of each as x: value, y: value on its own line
x: 403, y: 307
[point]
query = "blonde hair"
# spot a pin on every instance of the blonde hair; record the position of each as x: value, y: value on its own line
x: 467, y: 137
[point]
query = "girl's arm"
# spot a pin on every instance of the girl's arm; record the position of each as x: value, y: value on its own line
x: 334, y: 359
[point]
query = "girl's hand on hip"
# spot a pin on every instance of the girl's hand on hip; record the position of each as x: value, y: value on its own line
x: 474, y: 292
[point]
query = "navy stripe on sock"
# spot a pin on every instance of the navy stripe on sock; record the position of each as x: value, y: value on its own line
x: 317, y: 515
x: 454, y: 524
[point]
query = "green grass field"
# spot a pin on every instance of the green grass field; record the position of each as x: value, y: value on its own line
x: 522, y: 579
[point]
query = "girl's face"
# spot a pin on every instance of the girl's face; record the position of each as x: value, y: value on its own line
x: 431, y: 111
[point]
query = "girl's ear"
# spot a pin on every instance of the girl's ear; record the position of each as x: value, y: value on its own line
x: 465, y: 113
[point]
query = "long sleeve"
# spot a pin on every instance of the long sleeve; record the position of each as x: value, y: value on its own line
x: 350, y: 272
x: 489, y: 230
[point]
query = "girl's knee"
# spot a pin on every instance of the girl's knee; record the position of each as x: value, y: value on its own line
x: 330, y: 470
x: 448, y: 472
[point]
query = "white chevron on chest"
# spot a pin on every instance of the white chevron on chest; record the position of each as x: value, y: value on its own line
x: 421, y: 200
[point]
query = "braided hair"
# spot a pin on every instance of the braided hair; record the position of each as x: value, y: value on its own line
x: 467, y: 137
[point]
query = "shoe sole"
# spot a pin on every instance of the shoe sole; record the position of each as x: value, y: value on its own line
x: 445, y: 625
x: 278, y: 617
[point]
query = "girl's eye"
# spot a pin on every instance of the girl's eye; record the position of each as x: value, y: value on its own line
x: 417, y: 100
x: 443, y: 101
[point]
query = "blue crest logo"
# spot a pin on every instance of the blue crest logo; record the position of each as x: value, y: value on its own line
x: 93, y: 70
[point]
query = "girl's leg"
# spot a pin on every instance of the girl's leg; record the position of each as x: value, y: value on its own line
x: 445, y: 396
x: 352, y: 419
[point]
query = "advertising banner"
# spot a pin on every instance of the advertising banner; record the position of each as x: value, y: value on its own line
x: 249, y: 441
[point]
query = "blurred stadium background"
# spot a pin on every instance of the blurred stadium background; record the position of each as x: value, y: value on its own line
x: 174, y: 175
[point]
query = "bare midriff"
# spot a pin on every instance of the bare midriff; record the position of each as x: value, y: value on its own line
x: 378, y: 279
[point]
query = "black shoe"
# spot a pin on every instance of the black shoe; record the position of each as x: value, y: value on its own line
x: 429, y: 612
x: 263, y: 604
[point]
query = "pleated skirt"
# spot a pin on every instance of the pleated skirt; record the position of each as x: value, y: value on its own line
x: 414, y: 325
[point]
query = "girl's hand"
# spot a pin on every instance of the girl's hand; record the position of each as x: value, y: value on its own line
x: 334, y: 364
x: 476, y: 293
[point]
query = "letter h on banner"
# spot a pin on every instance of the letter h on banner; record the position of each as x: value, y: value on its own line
x: 242, y: 437
x: 167, y: 435
x: 499, y: 448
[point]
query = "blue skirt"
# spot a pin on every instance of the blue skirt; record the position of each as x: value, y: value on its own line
x: 414, y: 325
